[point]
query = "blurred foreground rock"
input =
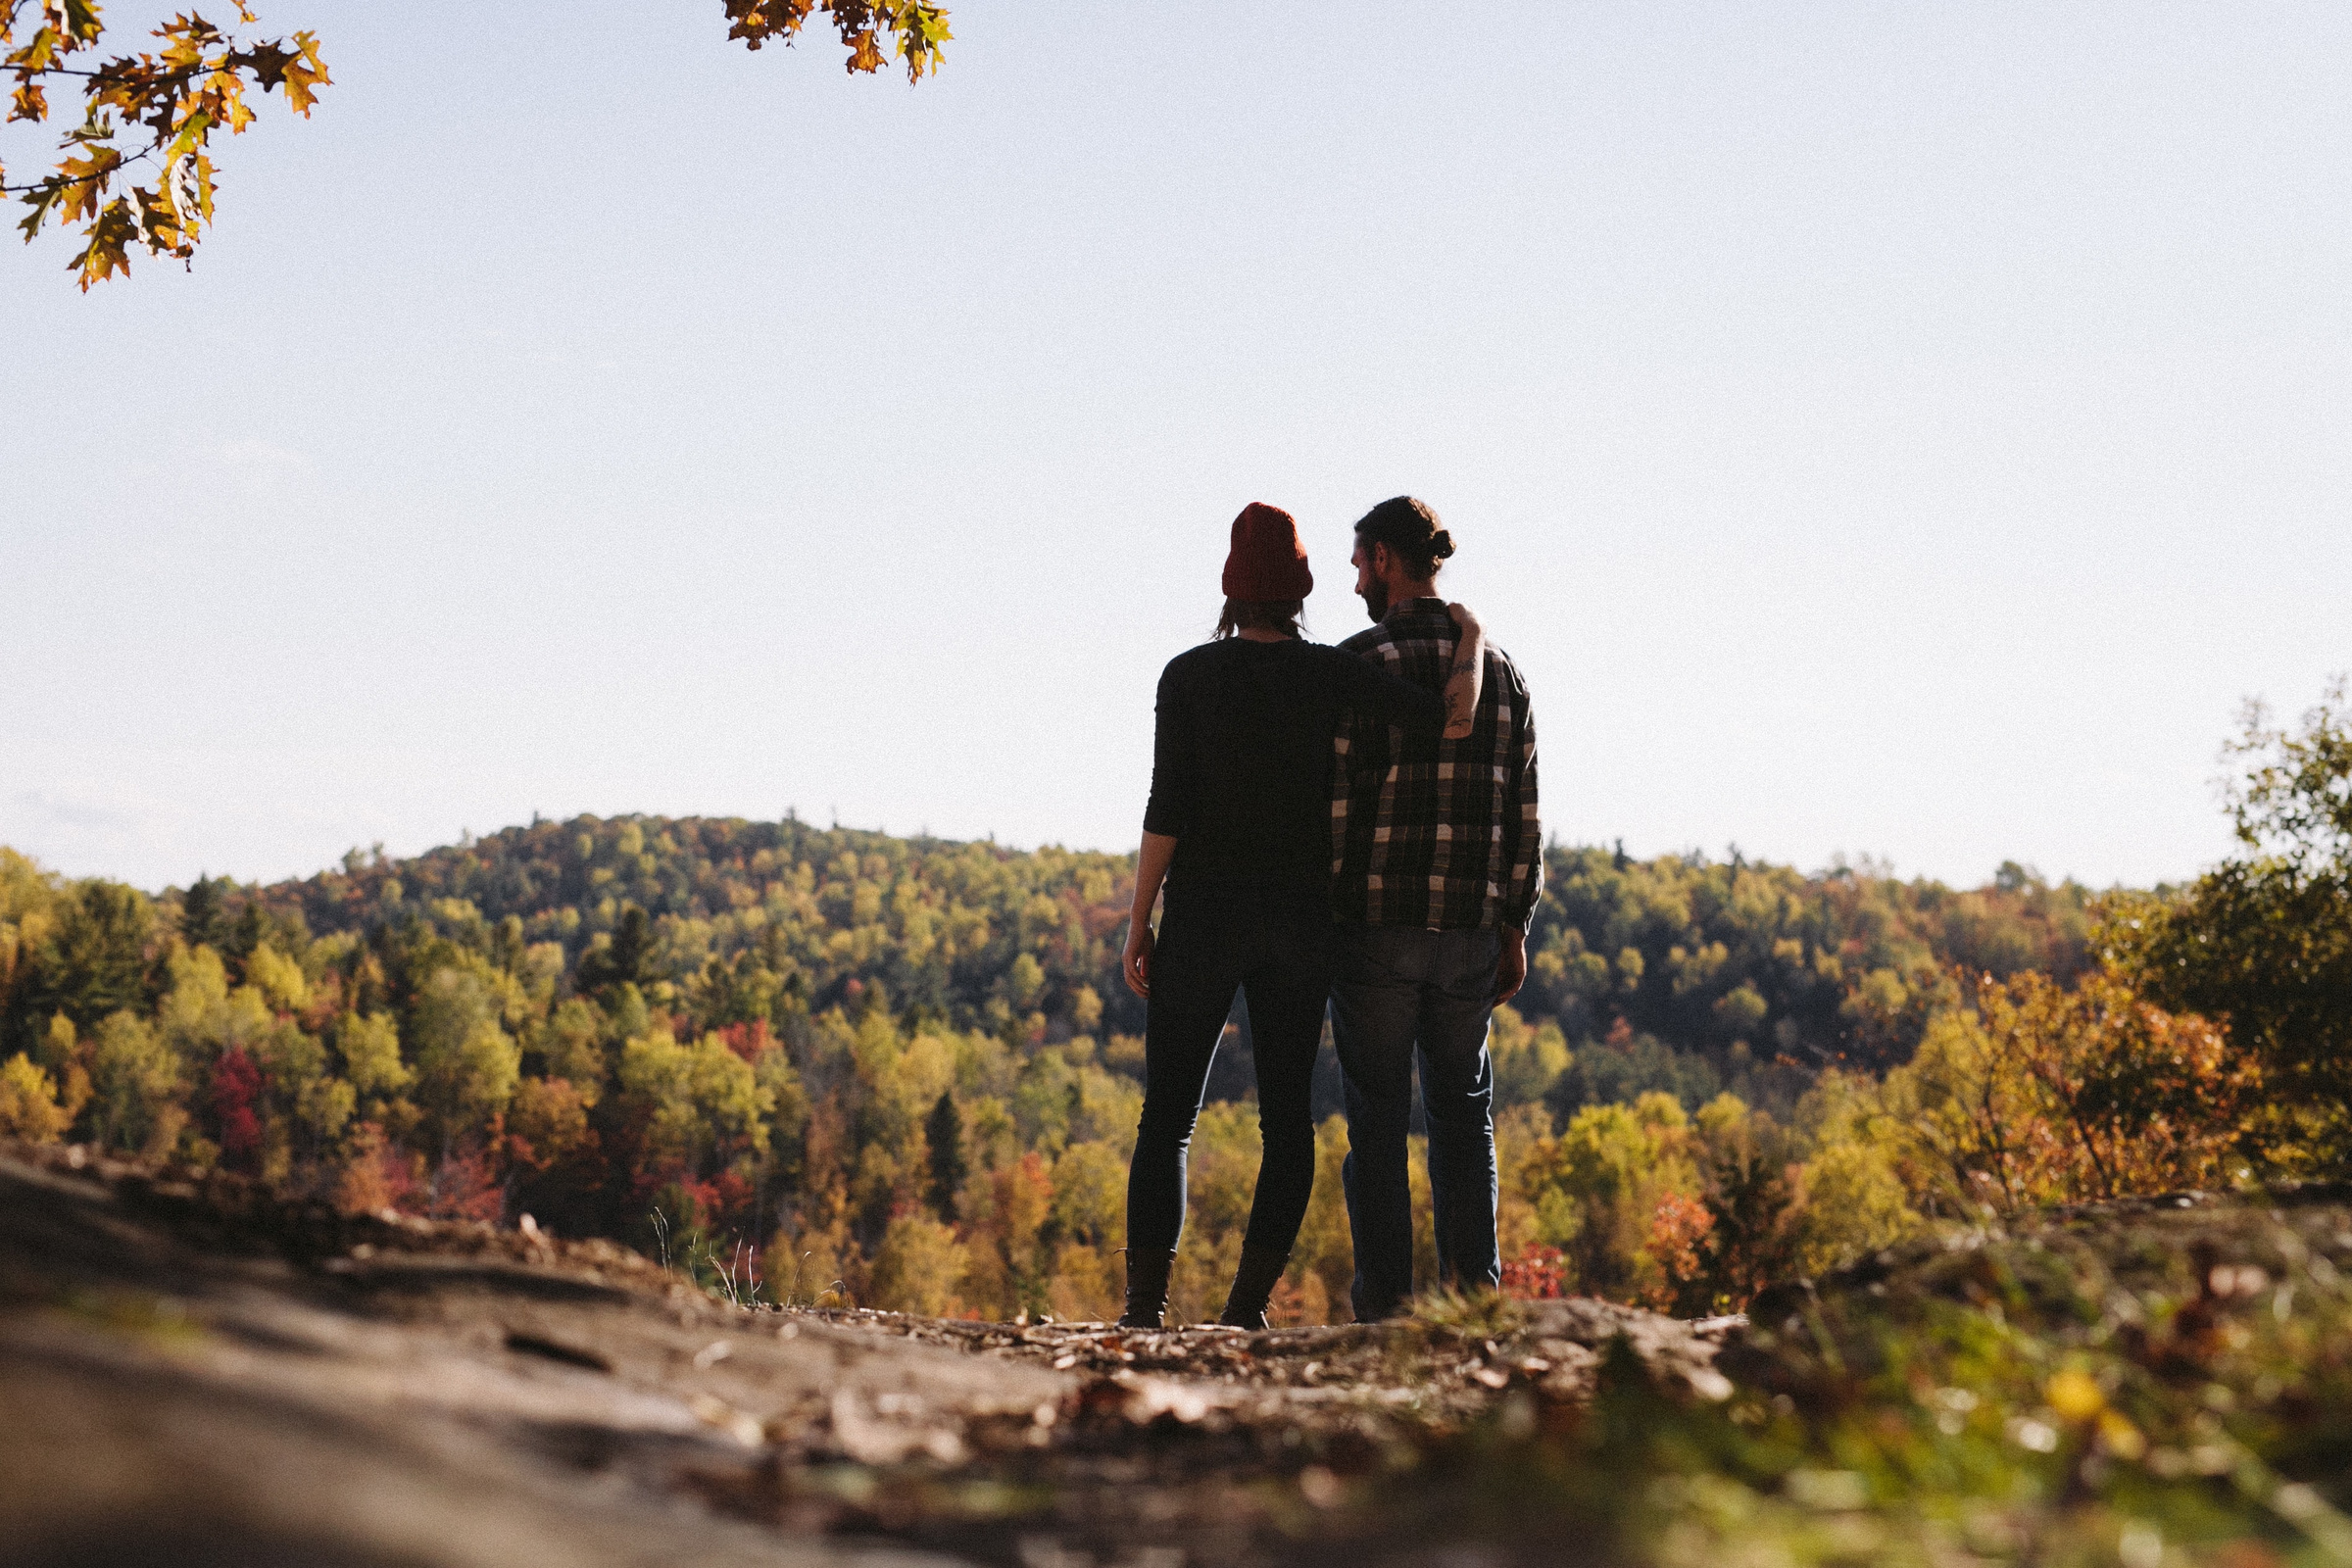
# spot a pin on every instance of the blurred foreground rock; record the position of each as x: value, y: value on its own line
x: 192, y: 1374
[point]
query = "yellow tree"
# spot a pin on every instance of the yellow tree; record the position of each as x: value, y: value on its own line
x: 2053, y: 1094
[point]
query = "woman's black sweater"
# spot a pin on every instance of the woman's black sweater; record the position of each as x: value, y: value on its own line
x: 1242, y: 762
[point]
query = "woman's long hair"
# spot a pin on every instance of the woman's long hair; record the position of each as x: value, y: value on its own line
x: 1285, y: 616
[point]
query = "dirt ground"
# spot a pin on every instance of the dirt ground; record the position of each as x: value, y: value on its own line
x: 192, y: 1375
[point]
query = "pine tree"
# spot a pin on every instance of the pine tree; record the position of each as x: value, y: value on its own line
x: 942, y: 1130
x: 201, y: 909
x: 624, y: 960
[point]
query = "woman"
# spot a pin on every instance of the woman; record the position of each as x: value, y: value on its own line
x: 1239, y: 830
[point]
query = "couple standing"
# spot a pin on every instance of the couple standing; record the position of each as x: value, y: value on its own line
x: 1353, y: 826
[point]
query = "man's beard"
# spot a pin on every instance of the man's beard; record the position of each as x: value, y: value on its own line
x: 1376, y: 599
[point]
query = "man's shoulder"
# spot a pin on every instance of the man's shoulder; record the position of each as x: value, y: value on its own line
x: 1507, y: 669
x: 1366, y: 643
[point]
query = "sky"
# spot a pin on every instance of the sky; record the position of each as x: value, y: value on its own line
x: 1873, y: 431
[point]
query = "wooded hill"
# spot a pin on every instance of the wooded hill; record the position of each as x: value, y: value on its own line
x: 1730, y: 963
x: 835, y: 1065
x: 903, y: 1070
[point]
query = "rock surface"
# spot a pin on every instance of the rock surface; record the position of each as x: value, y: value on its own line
x: 191, y: 1374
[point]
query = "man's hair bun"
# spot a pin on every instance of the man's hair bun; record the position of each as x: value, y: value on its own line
x: 1410, y: 529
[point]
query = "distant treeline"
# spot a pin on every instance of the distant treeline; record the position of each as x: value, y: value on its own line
x: 1694, y: 973
x: 898, y: 1068
x: 1703, y: 956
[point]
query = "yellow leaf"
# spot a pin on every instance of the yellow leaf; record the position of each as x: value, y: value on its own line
x: 2075, y: 1396
x: 2119, y: 1437
x: 107, y: 250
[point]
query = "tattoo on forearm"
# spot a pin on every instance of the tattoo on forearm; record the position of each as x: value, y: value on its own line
x: 1458, y: 708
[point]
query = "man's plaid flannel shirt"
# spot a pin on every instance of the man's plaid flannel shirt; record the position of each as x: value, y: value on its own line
x: 1448, y: 844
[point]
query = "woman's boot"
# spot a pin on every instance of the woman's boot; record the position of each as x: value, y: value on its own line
x: 1147, y: 1288
x: 1252, y: 1287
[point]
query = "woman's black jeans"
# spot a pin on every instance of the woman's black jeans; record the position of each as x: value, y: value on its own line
x: 1277, y: 951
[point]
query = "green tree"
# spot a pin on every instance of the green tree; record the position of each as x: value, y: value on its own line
x: 1527, y: 1061
x: 200, y: 1014
x: 278, y: 978
x: 370, y: 1047
x: 943, y: 1134
x: 2265, y: 940
x: 1599, y: 1189
x: 136, y: 1078
x: 624, y: 960
x: 467, y: 1065
x: 699, y: 1107
x: 917, y: 1268
x: 571, y: 1046
x: 93, y: 960
x: 1089, y: 1196
x: 203, y: 911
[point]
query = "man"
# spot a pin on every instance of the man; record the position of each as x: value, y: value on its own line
x: 1437, y: 868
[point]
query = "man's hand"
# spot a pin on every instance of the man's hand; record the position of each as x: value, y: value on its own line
x: 1511, y: 969
x: 1136, y: 963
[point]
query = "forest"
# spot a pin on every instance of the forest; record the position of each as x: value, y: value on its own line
x: 824, y: 1064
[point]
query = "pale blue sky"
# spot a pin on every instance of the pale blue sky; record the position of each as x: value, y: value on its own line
x: 1892, y: 429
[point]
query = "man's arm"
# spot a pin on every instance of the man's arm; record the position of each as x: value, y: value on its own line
x: 1368, y: 685
x: 1522, y: 848
x: 1467, y: 680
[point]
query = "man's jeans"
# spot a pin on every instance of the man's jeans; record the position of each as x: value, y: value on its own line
x: 1394, y: 989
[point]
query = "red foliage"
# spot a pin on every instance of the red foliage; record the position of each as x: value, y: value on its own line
x: 728, y: 1196
x: 546, y: 1128
x: 721, y: 1203
x: 1678, y: 1226
x: 1286, y: 1306
x: 684, y: 1201
x: 237, y: 1089
x: 466, y: 1186
x: 378, y: 1176
x: 749, y: 1041
x: 1534, y: 1274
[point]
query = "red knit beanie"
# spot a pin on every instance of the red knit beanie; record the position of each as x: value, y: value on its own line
x: 1267, y: 561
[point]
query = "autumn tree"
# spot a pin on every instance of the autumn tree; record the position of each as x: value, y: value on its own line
x: 136, y: 1077
x: 467, y: 1066
x: 2264, y: 939
x: 28, y: 1108
x: 133, y: 166
x: 2044, y: 1092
